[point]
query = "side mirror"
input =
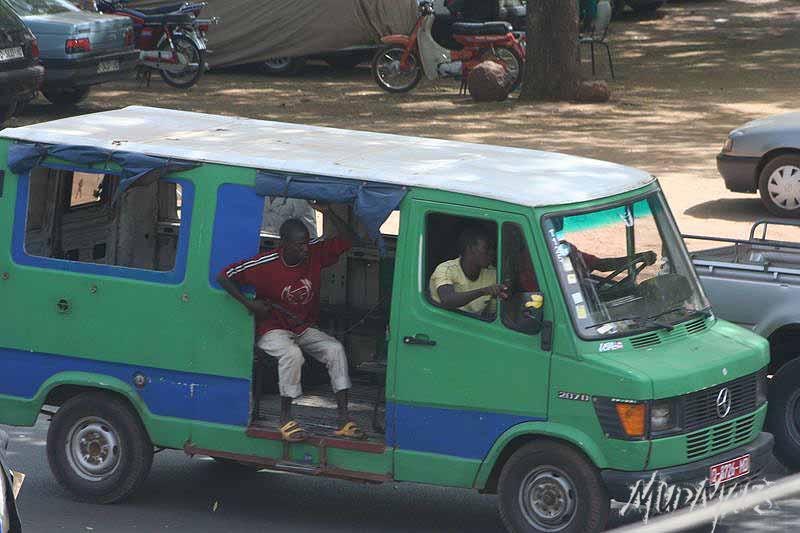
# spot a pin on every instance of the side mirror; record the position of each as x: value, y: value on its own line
x: 532, y: 309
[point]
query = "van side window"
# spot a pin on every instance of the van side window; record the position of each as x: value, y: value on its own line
x: 518, y: 275
x: 461, y: 257
x: 71, y: 217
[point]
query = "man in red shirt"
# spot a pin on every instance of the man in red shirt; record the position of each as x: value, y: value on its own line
x: 286, y: 308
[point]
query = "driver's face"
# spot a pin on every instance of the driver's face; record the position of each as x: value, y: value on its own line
x: 482, y: 253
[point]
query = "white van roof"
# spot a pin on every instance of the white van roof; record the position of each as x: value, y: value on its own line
x: 526, y: 177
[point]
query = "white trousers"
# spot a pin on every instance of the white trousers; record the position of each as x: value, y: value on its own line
x: 288, y: 348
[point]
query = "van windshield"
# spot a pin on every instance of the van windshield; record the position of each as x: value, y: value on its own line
x: 624, y: 269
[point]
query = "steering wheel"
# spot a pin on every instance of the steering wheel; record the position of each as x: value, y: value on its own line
x: 607, y: 282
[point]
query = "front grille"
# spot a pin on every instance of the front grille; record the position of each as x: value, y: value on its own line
x: 718, y: 438
x: 700, y: 408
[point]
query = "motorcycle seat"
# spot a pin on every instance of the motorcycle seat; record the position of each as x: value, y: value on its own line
x: 482, y: 28
x: 161, y: 10
x: 159, y: 19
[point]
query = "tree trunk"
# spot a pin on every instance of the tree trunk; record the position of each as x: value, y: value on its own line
x: 551, y: 64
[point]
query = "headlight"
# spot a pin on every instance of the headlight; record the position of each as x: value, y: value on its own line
x: 761, y: 387
x: 662, y: 416
x: 728, y: 146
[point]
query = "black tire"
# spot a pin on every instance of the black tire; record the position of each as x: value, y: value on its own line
x: 102, y: 420
x: 395, y: 53
x: 283, y: 66
x: 66, y: 96
x: 497, y: 56
x: 345, y: 61
x: 778, y: 169
x: 189, y: 76
x: 560, y: 472
x: 783, y: 414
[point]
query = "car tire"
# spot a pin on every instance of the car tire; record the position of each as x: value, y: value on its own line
x: 98, y: 449
x: 572, y: 497
x: 66, y: 97
x: 783, y: 414
x: 779, y: 185
x: 283, y: 66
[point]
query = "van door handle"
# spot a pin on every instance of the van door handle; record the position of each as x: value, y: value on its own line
x: 419, y: 339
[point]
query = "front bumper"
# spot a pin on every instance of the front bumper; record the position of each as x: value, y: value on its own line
x: 81, y: 72
x: 621, y: 484
x: 739, y: 172
x: 20, y: 84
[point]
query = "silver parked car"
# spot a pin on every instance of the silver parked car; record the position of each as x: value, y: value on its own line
x: 764, y: 156
x: 78, y: 48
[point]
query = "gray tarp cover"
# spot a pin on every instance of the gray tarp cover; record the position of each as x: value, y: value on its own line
x: 251, y: 31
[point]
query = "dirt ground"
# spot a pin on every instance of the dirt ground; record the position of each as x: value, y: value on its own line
x: 685, y: 78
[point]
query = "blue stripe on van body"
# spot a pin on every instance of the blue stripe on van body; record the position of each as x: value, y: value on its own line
x: 457, y: 432
x: 172, y: 277
x: 189, y: 395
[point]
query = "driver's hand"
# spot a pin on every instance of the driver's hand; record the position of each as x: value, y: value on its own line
x: 649, y: 257
x: 498, y: 290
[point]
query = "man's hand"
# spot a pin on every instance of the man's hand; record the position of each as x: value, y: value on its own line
x: 496, y: 291
x: 261, y: 309
x: 320, y: 207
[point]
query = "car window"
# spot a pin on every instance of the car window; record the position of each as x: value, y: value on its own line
x: 40, y: 7
x: 8, y: 19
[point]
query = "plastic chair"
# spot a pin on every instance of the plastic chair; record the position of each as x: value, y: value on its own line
x: 600, y: 33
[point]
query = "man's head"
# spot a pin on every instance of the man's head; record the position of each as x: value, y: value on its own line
x: 474, y: 246
x: 294, y: 241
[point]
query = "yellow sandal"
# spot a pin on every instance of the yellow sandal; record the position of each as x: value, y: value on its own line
x: 292, y: 432
x: 352, y: 431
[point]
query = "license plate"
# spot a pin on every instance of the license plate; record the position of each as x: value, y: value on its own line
x: 108, y: 66
x: 7, y: 54
x: 729, y: 470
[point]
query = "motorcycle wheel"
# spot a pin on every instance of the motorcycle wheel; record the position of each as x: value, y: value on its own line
x: 188, y: 54
x: 511, y: 60
x: 387, y: 73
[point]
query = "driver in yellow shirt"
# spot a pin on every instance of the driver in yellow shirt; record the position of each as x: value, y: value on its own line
x: 469, y: 282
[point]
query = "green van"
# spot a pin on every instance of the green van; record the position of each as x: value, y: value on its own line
x: 603, y: 365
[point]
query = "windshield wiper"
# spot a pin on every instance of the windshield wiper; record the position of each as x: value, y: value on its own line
x: 637, y: 319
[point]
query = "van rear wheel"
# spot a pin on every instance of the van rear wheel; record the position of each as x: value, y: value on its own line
x: 549, y: 487
x: 98, y: 449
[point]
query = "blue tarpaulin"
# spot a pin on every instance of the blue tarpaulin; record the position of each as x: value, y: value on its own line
x: 136, y: 168
x: 372, y: 202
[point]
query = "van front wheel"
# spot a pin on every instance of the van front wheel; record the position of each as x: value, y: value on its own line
x: 98, y: 449
x: 549, y: 487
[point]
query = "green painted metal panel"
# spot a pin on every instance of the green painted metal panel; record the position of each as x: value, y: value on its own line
x: 435, y: 469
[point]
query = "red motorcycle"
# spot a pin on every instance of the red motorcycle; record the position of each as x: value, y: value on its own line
x: 171, y: 39
x: 399, y: 67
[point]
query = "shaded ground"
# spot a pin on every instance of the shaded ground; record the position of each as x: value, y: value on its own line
x: 685, y: 78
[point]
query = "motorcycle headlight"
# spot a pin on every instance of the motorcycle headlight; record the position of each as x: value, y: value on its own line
x: 662, y: 416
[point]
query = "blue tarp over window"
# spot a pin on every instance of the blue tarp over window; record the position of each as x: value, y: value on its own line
x: 136, y: 168
x: 372, y: 202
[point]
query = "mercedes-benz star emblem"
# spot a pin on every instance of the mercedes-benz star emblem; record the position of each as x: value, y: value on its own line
x: 723, y: 402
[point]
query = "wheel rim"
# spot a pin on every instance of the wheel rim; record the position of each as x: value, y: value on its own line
x: 188, y: 56
x: 506, y: 57
x: 93, y: 448
x: 390, y: 71
x: 784, y: 187
x: 548, y: 499
x: 278, y: 63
